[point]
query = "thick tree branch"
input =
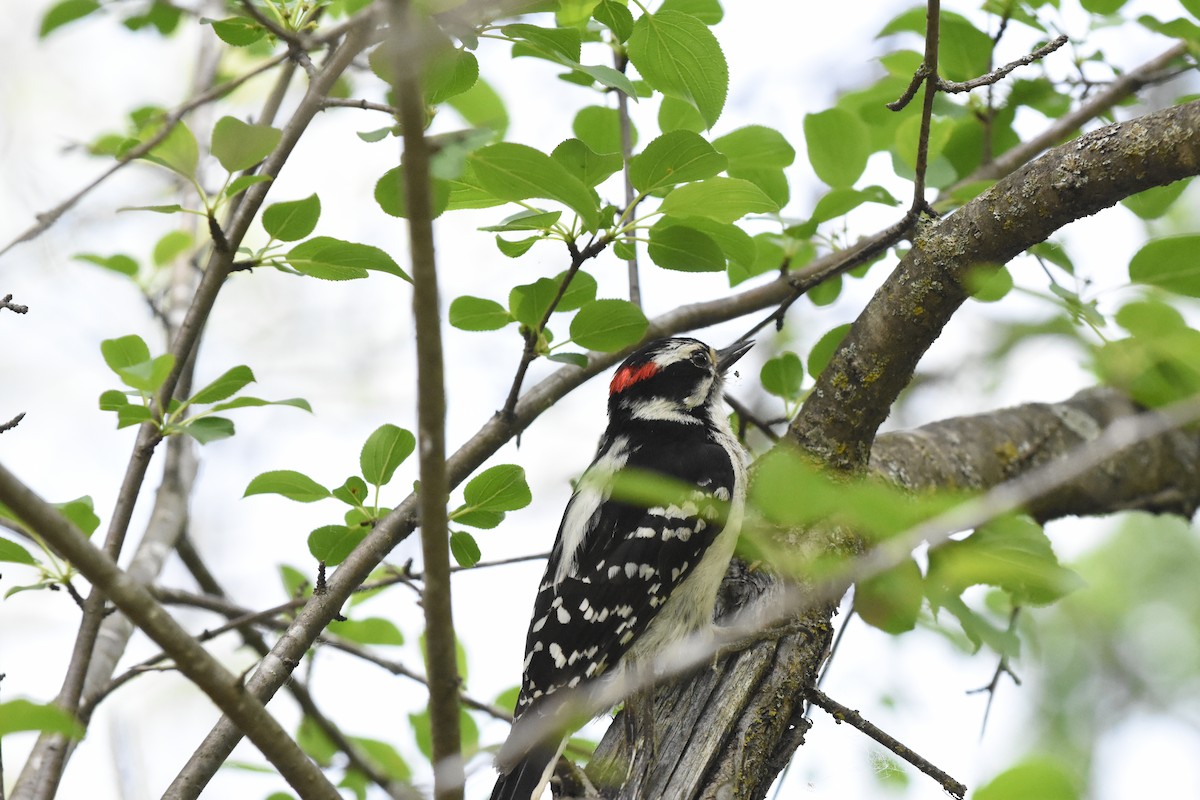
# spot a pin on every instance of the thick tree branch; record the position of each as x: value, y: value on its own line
x: 877, y: 359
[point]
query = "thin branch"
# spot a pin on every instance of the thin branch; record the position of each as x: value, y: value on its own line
x: 194, y: 661
x: 365, y: 105
x: 16, y: 308
x: 441, y: 658
x: 1002, y: 668
x: 999, y: 73
x: 841, y: 713
x: 933, y: 15
x: 12, y: 423
x: 47, y: 218
x: 621, y: 62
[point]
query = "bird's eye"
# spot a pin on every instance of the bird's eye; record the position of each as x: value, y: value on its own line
x: 700, y: 359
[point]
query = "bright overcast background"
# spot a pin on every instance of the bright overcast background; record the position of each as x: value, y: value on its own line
x: 348, y: 349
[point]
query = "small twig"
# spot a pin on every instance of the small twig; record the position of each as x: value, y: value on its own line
x: 16, y: 308
x: 841, y: 713
x: 999, y: 73
x: 1002, y: 668
x: 12, y: 423
x: 621, y: 61
x: 747, y: 416
x: 365, y: 105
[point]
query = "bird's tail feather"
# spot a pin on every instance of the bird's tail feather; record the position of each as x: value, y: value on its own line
x: 529, y: 776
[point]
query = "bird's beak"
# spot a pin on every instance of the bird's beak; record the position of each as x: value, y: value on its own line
x: 727, y: 356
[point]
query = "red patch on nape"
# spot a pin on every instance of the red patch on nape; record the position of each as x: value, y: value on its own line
x: 628, y: 376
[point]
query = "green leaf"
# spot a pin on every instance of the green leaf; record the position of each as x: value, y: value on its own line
x: 498, y: 488
x: 607, y: 77
x: 237, y: 31
x: 964, y: 51
x: 481, y: 107
x: 529, y: 302
x: 1039, y: 777
x: 615, y: 17
x: 1012, y: 553
x: 15, y: 553
x: 988, y: 283
x: 177, y: 152
x: 581, y: 290
x: 81, y: 512
x: 527, y: 220
x: 224, y: 387
x: 239, y: 145
x: 477, y: 517
x: 64, y: 12
x: 608, y: 325
x: 208, y: 429
x: 132, y: 415
x: 755, y: 147
x: 707, y: 11
x: 292, y: 221
x: 1153, y: 203
x: 254, y: 402
x: 478, y: 314
x: 385, y: 758
x: 590, y: 167
x: 124, y: 352
x: 736, y: 245
x: 389, y: 194
x: 675, y: 157
x: 448, y: 74
x: 314, y: 741
x: 549, y: 42
x: 332, y: 543
x: 891, y: 600
x: 676, y: 115
x: 1103, y: 6
x: 289, y: 483
x: 518, y: 172
x: 172, y: 245
x: 148, y: 376
x: 678, y: 55
x: 385, y: 449
x: 685, y: 249
x: 353, y: 492
x: 600, y: 129
x: 24, y: 715
x: 574, y: 359
x: 518, y: 248
x: 117, y: 263
x: 721, y: 199
x: 783, y: 375
x: 372, y: 630
x: 464, y: 549
x: 822, y: 352
x: 1171, y: 263
x: 333, y: 259
x: 838, y: 146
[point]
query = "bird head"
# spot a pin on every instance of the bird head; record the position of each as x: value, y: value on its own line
x: 671, y: 380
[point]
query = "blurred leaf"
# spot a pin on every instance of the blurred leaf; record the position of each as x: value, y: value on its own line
x: 24, y: 715
x: 1039, y: 777
x: 237, y: 31
x: 527, y: 220
x: 16, y: 554
x: 385, y: 757
x: 177, y: 151
x: 254, y: 402
x: 385, y: 450
x: 838, y: 146
x: 389, y: 194
x: 755, y: 147
x: 289, y: 483
x: 372, y: 630
x: 822, y: 352
x: 239, y: 145
x: 172, y: 245
x: 1171, y: 263
x: 81, y: 512
x: 891, y: 600
x: 124, y: 352
x: 564, y: 42
x: 1153, y: 203
x: 64, y: 12
x: 608, y: 325
x: 988, y: 283
x: 481, y: 107
x: 117, y: 263
x: 208, y: 429
x: 600, y: 129
x: 707, y: 11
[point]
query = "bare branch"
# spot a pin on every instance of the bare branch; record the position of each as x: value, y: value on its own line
x: 841, y: 713
x: 999, y: 73
x: 12, y: 423
x: 16, y: 308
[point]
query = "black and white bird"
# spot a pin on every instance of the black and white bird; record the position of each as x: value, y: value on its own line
x: 626, y: 581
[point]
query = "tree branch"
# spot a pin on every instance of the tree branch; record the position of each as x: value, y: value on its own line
x: 194, y: 661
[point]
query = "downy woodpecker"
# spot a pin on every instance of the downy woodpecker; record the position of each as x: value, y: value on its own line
x: 625, y: 581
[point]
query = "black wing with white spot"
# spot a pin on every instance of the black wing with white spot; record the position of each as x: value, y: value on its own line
x: 627, y: 565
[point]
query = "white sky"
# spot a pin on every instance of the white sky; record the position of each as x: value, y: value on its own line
x: 347, y: 348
